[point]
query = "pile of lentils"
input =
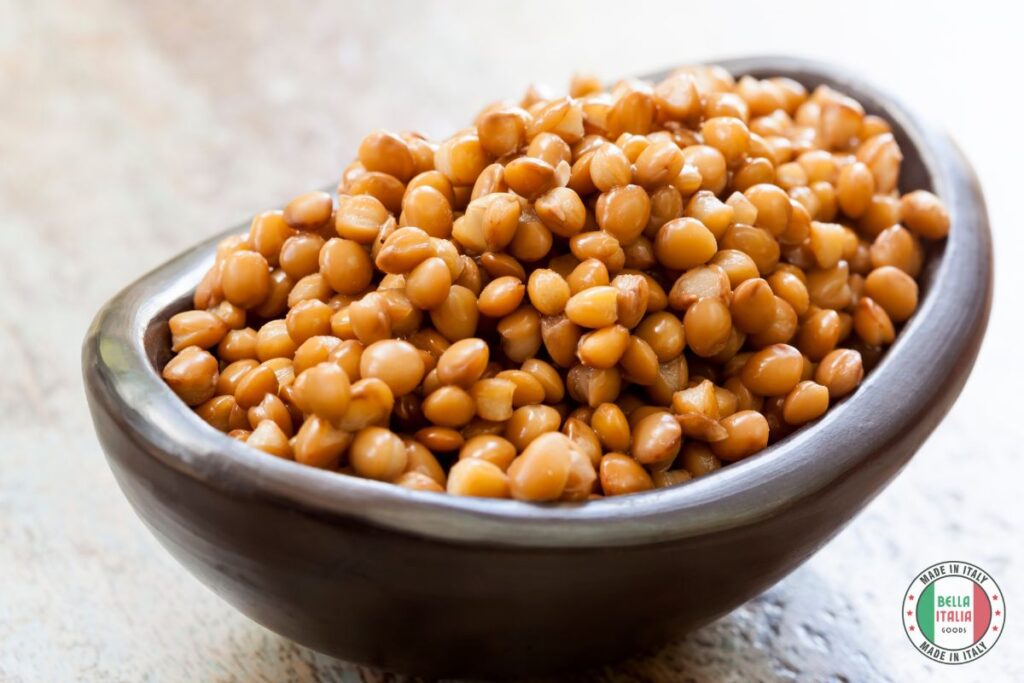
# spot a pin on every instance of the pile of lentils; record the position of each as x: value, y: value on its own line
x: 575, y: 297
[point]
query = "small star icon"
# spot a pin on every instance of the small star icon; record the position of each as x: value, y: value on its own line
x: 911, y: 628
x: 909, y: 612
x: 995, y: 628
x: 998, y: 613
x: 995, y: 597
x: 910, y: 597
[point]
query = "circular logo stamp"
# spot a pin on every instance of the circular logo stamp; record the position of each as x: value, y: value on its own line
x: 953, y: 612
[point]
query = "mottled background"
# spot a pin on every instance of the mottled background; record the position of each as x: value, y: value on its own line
x: 130, y: 130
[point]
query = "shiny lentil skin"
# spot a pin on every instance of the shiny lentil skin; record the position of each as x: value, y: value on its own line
x: 621, y: 474
x: 708, y: 326
x: 573, y: 297
x: 309, y: 211
x: 320, y: 444
x: 464, y: 362
x: 656, y: 439
x: 747, y: 434
x: 396, y: 363
x: 698, y: 459
x: 378, y: 453
x: 805, y: 402
x: 840, y: 372
x: 924, y: 213
x: 246, y: 278
x: 773, y: 371
x: 893, y: 290
x: 490, y: 447
x: 196, y: 328
x: 527, y: 423
x: 428, y: 283
x: 323, y: 390
x: 541, y: 472
x: 192, y: 375
x: 477, y: 478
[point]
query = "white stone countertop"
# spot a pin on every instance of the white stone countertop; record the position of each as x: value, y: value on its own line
x: 129, y: 131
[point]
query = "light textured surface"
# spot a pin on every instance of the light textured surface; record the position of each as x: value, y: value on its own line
x: 131, y: 130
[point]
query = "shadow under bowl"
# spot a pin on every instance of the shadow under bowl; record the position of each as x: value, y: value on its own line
x: 439, y: 585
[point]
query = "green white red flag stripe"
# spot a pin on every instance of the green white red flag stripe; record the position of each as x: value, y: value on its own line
x: 953, y: 612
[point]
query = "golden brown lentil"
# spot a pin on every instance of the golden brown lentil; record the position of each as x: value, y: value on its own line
x: 708, y: 326
x: 807, y: 401
x: 477, y: 478
x: 747, y: 433
x: 737, y: 265
x: 323, y: 390
x: 819, y: 334
x: 593, y: 307
x: 192, y: 374
x: 854, y: 189
x: 896, y: 246
x: 773, y: 371
x: 611, y: 427
x: 490, y: 447
x: 494, y: 398
x: 245, y: 278
x: 520, y: 333
x: 418, y: 482
x: 621, y: 474
x: 456, y: 318
x: 309, y: 211
x: 753, y: 306
x: 587, y: 274
x: 371, y: 403
x: 672, y: 376
x: 223, y: 413
x: 271, y: 408
x: 872, y: 323
x: 230, y: 376
x: 360, y: 218
x: 781, y: 330
x: 428, y: 284
x: 893, y: 290
x: 561, y: 338
x: 439, y: 439
x: 623, y: 212
x: 396, y: 363
x: 698, y: 459
x: 603, y: 348
x: 840, y: 371
x: 300, y: 255
x: 542, y: 471
x: 377, y: 453
x: 253, y: 386
x: 584, y: 437
x: 656, y: 439
x: 548, y: 291
x: 924, y: 214
x: 196, y: 328
x: 529, y: 422
x: 269, y: 438
x: 684, y: 243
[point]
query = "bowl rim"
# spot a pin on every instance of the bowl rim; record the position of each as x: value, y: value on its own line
x: 122, y: 380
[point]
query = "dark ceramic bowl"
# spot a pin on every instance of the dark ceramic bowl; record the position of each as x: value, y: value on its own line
x: 438, y: 585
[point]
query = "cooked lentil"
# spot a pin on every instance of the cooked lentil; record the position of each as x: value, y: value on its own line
x: 576, y: 297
